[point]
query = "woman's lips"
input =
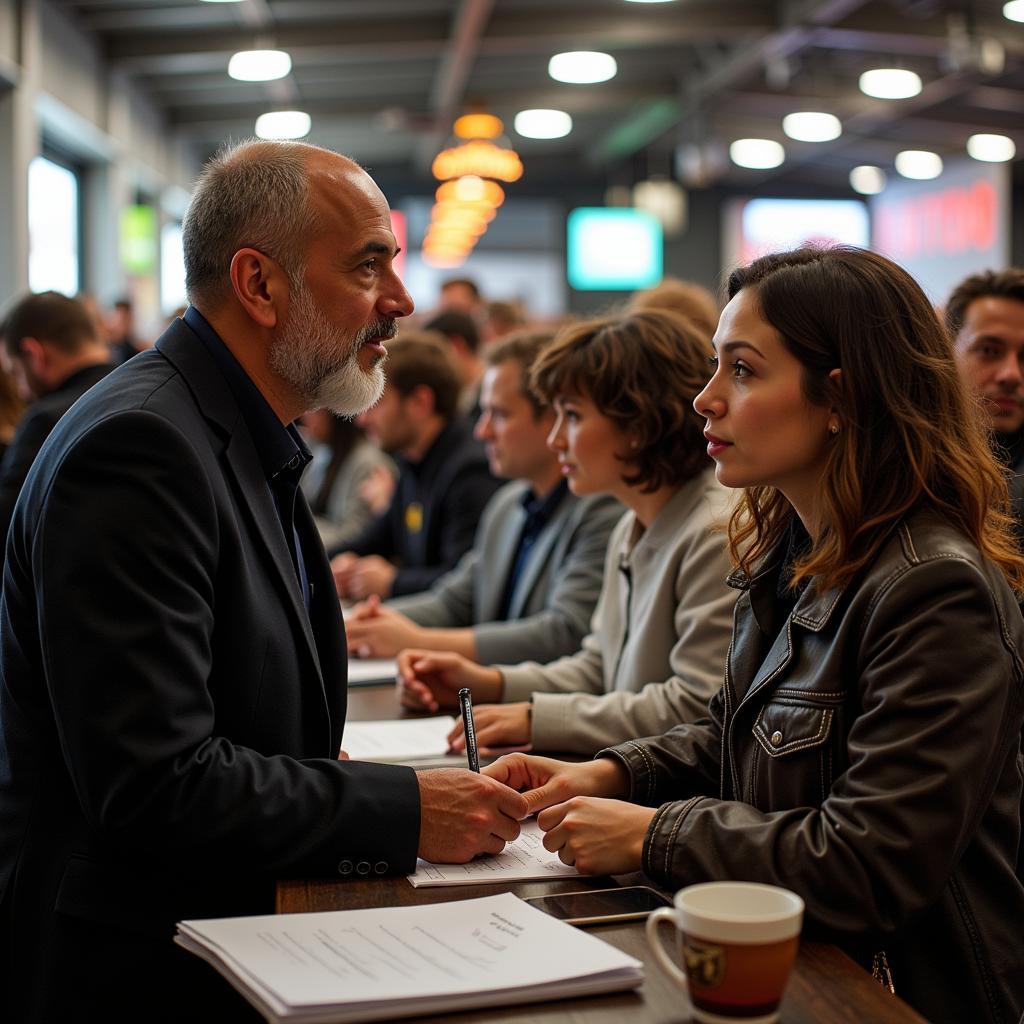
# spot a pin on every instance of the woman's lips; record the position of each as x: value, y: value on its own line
x: 716, y: 445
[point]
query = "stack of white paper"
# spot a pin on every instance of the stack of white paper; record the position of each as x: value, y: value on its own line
x: 366, y: 671
x: 397, y: 741
x: 348, y: 966
x: 521, y: 860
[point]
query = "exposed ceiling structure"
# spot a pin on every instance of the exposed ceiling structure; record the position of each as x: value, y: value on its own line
x: 384, y: 79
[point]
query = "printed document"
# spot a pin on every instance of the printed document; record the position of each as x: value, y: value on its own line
x: 349, y: 966
x: 400, y: 740
x: 366, y: 671
x: 520, y: 861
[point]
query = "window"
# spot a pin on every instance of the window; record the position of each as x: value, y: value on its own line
x: 53, y: 221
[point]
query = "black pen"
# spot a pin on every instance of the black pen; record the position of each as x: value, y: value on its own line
x: 469, y: 728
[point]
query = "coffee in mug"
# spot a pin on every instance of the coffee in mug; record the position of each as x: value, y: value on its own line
x: 735, y: 946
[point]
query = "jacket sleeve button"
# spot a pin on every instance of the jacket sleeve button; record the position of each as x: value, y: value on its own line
x: 776, y: 737
x: 381, y: 867
x: 363, y: 867
x: 344, y: 867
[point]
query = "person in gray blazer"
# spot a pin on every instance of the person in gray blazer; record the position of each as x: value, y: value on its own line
x: 655, y: 654
x: 532, y: 578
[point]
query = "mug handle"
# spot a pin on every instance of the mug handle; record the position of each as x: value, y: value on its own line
x: 654, y: 921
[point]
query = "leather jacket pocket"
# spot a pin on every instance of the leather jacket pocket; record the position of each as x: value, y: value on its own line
x: 791, y: 763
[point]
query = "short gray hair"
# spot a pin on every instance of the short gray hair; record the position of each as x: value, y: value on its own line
x: 251, y: 194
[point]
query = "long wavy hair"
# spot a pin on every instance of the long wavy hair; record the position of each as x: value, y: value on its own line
x: 911, y: 436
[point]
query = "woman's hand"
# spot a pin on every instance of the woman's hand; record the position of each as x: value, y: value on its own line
x: 497, y: 725
x: 599, y: 836
x: 431, y: 680
x: 375, y: 631
x: 545, y: 781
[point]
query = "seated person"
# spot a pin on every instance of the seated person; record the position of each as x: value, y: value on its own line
x: 342, y: 481
x: 621, y: 389
x: 443, y: 479
x: 985, y: 316
x: 863, y: 750
x: 55, y: 353
x: 532, y: 577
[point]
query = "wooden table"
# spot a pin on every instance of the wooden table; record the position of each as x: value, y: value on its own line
x: 827, y: 987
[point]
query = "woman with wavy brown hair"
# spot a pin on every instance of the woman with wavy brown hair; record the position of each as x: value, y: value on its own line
x: 622, y: 389
x: 864, y: 750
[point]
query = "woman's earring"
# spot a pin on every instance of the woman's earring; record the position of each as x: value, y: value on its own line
x: 833, y: 429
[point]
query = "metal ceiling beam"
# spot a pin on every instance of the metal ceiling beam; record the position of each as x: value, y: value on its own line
x: 795, y: 33
x: 453, y: 72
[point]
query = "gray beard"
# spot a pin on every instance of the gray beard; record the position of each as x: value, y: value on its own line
x: 311, y: 355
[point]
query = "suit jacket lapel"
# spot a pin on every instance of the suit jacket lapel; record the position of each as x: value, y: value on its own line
x: 537, y: 561
x: 497, y: 565
x: 242, y: 467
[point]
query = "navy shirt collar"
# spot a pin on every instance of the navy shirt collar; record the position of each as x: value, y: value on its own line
x: 281, y: 448
x: 540, y: 510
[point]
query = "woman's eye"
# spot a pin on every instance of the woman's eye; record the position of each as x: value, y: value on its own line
x: 740, y: 369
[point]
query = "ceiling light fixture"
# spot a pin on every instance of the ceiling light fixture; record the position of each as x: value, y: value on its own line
x: 757, y: 154
x: 582, y: 67
x: 890, y: 83
x: 1014, y: 10
x: 867, y: 180
x: 812, y: 126
x: 920, y: 164
x: 542, y: 124
x: 995, y: 149
x: 283, y: 124
x: 259, y: 65
x: 478, y: 126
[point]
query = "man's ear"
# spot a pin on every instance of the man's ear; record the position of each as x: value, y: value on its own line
x: 260, y: 286
x: 34, y: 353
x: 423, y: 400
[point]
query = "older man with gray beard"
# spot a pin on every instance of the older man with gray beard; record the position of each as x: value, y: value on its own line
x: 172, y: 656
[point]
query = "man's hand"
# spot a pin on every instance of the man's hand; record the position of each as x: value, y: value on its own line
x: 497, y: 725
x: 341, y: 567
x: 375, y: 631
x: 599, y: 836
x: 545, y: 781
x: 370, y: 575
x: 431, y: 680
x: 463, y: 814
x: 377, y: 489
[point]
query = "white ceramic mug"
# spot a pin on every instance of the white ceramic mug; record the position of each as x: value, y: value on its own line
x: 737, y: 941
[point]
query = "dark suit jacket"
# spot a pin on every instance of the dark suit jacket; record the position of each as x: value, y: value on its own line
x: 169, y: 714
x: 433, y: 516
x: 35, y: 426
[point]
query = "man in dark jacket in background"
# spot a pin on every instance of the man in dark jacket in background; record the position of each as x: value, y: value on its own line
x: 52, y: 349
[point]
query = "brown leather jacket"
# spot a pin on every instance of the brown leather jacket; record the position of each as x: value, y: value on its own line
x: 865, y: 752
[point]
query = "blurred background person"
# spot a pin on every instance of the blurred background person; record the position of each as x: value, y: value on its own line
x: 500, y: 320
x: 121, y: 336
x: 533, y: 575
x: 461, y: 294
x: 341, y: 483
x: 684, y: 297
x: 622, y: 389
x: 12, y: 406
x: 985, y: 317
x: 443, y: 478
x: 53, y: 350
x: 462, y: 334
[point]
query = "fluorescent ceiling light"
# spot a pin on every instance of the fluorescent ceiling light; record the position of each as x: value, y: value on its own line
x: 919, y: 163
x: 890, y: 83
x: 283, y: 124
x: 259, y: 65
x: 812, y: 126
x: 222, y: 1
x: 867, y: 180
x: 543, y: 124
x: 991, y: 148
x: 1014, y: 10
x: 759, y: 154
x: 582, y: 67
